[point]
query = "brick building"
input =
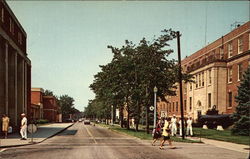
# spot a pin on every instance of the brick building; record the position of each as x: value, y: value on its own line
x: 51, y: 109
x: 36, y: 109
x: 217, y: 70
x: 15, y: 67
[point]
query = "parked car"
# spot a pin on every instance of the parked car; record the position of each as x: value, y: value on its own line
x: 86, y: 122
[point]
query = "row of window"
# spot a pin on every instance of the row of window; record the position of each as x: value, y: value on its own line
x: 220, y: 55
x: 11, y: 26
x: 239, y: 73
x: 200, y: 79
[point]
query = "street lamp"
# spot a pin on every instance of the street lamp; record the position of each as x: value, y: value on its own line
x: 155, y: 91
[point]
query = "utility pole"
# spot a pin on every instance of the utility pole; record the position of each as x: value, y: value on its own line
x: 180, y: 83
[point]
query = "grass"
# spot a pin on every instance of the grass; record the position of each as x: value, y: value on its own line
x: 221, y: 135
x: 141, y: 134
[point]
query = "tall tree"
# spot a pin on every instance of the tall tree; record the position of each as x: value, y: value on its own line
x: 242, y: 113
x: 67, y: 106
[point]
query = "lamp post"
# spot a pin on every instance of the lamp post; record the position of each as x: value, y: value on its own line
x: 155, y: 91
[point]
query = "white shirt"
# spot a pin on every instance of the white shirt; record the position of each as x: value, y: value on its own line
x: 189, y: 122
x: 180, y: 123
x: 173, y: 121
x: 24, y: 121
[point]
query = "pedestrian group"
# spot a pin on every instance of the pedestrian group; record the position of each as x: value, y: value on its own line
x: 6, y: 128
x: 167, y: 127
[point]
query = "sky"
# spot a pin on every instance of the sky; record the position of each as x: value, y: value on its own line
x: 67, y: 40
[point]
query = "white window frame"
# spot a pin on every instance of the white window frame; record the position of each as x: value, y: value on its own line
x: 240, y: 45
x: 230, y: 74
x: 209, y: 76
x: 230, y: 49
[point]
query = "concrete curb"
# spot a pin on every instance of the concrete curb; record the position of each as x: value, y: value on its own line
x: 19, y: 145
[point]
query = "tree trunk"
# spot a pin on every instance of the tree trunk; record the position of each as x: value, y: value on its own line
x: 121, y: 116
x: 128, y: 117
x: 138, y: 116
x: 147, y: 119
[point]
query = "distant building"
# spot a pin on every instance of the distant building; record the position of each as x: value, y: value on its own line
x: 15, y: 67
x: 217, y: 70
x: 36, y: 109
x: 51, y: 110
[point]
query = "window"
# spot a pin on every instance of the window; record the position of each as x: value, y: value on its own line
x: 199, y: 79
x: 20, y: 39
x: 196, y: 81
x: 229, y: 74
x: 11, y: 26
x: 209, y: 76
x: 177, y: 106
x: 169, y: 107
x: 2, y: 15
x: 190, y: 86
x: 230, y: 98
x: 230, y: 49
x: 190, y: 103
x: 202, y: 78
x: 240, y: 72
x: 221, y: 52
x: 240, y: 45
x: 209, y: 100
x: 173, y: 106
x: 185, y: 105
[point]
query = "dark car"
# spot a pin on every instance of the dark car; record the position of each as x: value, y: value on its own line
x: 86, y: 122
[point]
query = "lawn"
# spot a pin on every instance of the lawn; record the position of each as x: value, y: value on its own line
x: 221, y: 135
x: 142, y: 134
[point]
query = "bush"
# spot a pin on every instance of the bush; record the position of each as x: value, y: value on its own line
x: 42, y: 121
x: 242, y: 126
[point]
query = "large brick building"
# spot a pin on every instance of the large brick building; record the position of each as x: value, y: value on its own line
x: 217, y: 70
x: 44, y: 107
x: 36, y: 109
x: 15, y: 66
x: 51, y: 109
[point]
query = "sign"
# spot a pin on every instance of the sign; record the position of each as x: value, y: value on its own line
x: 151, y: 108
x: 32, y: 128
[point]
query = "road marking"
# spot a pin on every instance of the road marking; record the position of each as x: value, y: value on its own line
x: 90, y: 134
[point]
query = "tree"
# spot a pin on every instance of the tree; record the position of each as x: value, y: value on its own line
x: 67, y: 106
x: 241, y: 115
x: 48, y: 93
x: 127, y: 82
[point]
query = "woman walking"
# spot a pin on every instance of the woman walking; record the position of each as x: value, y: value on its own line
x: 166, y: 134
x: 157, y: 132
x: 5, y: 125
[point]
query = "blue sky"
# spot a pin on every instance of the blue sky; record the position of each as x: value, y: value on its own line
x: 67, y: 40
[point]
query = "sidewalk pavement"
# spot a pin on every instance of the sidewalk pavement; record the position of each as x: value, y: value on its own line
x: 223, y: 144
x: 43, y: 132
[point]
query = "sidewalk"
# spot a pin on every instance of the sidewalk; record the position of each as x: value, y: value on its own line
x: 43, y: 132
x: 223, y: 144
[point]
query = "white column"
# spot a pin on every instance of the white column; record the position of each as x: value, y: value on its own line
x: 16, y: 115
x: 6, y: 79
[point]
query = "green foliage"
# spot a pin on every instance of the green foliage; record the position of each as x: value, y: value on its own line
x: 242, y: 113
x: 127, y: 82
x: 42, y: 121
x: 67, y: 106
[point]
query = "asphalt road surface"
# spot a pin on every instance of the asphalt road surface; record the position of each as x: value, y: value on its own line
x: 92, y: 142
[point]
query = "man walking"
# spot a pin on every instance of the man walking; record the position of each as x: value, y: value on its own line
x: 173, y: 126
x: 189, y: 126
x: 23, y: 130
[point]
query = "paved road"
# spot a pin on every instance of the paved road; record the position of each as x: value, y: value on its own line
x: 89, y: 142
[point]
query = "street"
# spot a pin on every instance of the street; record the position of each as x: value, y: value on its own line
x: 93, y: 142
